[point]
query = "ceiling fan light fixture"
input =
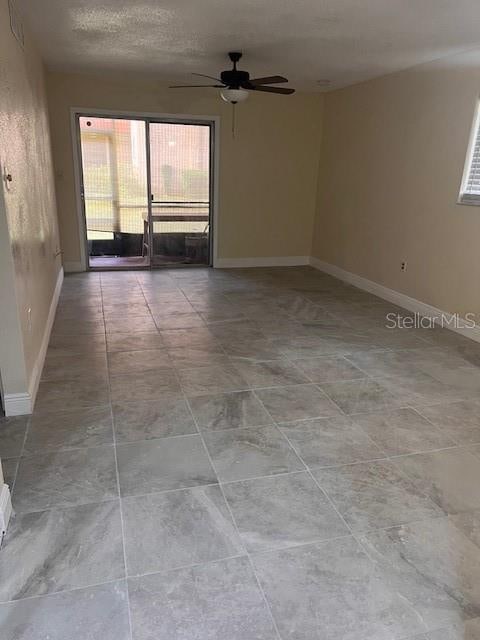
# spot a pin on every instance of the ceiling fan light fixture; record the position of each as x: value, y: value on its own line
x: 234, y: 95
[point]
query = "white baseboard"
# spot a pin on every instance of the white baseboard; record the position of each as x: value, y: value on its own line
x: 38, y: 367
x: 5, y: 509
x: 73, y: 267
x: 19, y: 404
x: 282, y: 261
x: 400, y: 299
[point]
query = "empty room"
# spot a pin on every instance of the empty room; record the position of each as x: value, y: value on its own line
x: 239, y: 320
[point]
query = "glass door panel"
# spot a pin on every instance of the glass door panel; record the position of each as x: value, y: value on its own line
x: 114, y: 191
x: 180, y: 166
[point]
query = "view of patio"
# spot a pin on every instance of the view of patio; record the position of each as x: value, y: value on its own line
x: 116, y: 169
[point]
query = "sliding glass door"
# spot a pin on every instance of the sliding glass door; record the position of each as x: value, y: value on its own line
x: 146, y: 191
x: 114, y: 190
x: 180, y: 193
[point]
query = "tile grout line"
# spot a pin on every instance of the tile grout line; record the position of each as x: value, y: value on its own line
x: 66, y: 591
x: 234, y: 523
x: 308, y: 470
x: 117, y: 474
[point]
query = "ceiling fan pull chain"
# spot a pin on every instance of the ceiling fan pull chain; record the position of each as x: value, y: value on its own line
x: 233, y: 120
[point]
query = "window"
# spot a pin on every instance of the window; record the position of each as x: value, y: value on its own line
x: 470, y: 189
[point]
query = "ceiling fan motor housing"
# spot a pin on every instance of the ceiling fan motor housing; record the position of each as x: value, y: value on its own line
x: 234, y: 79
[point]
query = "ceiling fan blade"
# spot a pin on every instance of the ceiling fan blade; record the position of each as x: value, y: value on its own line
x: 192, y: 86
x: 269, y: 80
x: 283, y: 90
x: 202, y: 75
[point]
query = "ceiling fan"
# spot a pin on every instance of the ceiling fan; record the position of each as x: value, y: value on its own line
x: 236, y: 84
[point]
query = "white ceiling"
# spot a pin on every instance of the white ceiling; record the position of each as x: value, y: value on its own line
x: 345, y: 41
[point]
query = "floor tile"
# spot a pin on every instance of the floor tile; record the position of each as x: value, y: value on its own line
x: 93, y: 613
x: 161, y: 465
x: 330, y: 441
x: 386, y: 338
x: 279, y: 330
x: 402, y: 431
x: 238, y: 454
x: 460, y: 421
x: 329, y: 369
x: 372, y: 495
x: 469, y: 630
x: 69, y: 430
x: 463, y: 380
x: 419, y: 389
x: 178, y: 529
x: 137, y: 361
x: 433, y: 566
x: 65, y: 478
x: 75, y: 367
x: 298, y: 402
x: 211, y: 379
x: 385, y: 363
x: 197, y: 356
x: 236, y: 330
x: 75, y: 326
x: 112, y: 311
x: 68, y: 345
x: 197, y: 336
x: 469, y: 351
x: 468, y: 522
x: 228, y: 411
x: 61, y: 549
x: 12, y: 436
x: 144, y: 420
x: 134, y: 341
x: 272, y: 373
x: 145, y: 385
x: 74, y: 394
x: 78, y: 311
x: 141, y: 324
x: 450, y: 477
x: 331, y: 590
x: 171, y: 307
x: 254, y: 350
x: 360, y: 396
x: 178, y: 321
x: 298, y: 347
x: 217, y: 601
x: 282, y: 511
x: 435, y: 360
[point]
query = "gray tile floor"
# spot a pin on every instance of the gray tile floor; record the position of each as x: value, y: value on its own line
x: 243, y: 455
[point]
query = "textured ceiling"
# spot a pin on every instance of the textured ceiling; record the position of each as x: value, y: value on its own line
x: 344, y: 41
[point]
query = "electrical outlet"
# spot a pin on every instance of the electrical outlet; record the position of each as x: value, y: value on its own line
x: 403, y: 266
x: 29, y: 318
x: 7, y: 178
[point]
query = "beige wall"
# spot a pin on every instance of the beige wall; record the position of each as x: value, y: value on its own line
x: 28, y: 225
x: 268, y: 173
x: 391, y: 165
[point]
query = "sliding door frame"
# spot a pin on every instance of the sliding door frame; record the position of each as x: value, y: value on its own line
x: 212, y: 121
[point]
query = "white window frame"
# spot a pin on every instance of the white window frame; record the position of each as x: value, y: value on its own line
x: 464, y: 197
